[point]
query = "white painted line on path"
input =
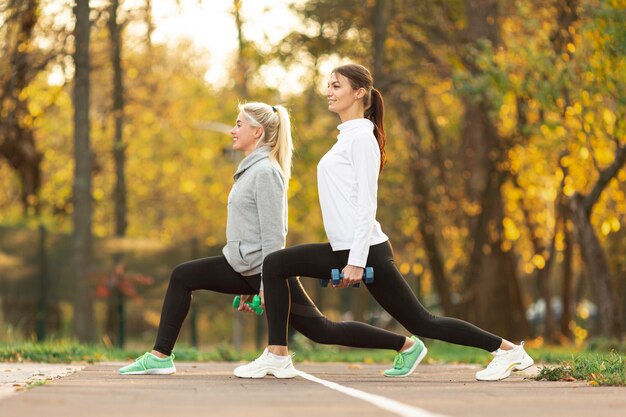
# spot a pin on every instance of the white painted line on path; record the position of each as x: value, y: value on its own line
x: 388, y: 404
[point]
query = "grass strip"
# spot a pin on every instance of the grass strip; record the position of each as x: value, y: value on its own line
x: 598, y: 369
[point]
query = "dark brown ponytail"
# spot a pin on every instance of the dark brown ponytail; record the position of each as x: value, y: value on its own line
x: 375, y: 112
x: 360, y: 77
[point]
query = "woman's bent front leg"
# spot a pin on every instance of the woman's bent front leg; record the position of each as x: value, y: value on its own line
x: 213, y: 274
x: 310, y: 260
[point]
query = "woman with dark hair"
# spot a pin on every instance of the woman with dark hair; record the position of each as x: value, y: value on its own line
x: 347, y: 185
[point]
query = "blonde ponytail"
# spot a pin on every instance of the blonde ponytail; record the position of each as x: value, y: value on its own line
x: 283, y: 150
x: 276, y: 132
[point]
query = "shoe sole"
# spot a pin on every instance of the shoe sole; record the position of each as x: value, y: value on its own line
x: 414, y: 367
x: 159, y: 371
x: 263, y: 373
x: 285, y: 375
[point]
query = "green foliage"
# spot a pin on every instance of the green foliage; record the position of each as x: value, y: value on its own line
x: 307, y: 350
x: 597, y: 369
x: 602, y: 344
x: 441, y: 352
x: 56, y: 351
x: 65, y: 351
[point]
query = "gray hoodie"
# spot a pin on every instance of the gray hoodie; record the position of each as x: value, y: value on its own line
x: 257, y: 213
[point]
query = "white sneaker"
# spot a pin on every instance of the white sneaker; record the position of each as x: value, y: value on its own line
x: 504, y: 362
x: 267, y: 363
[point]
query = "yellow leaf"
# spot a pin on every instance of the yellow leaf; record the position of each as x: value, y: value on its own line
x: 510, y: 229
x: 528, y: 268
x: 188, y: 186
x: 418, y: 269
x: 98, y: 194
x: 539, y: 261
x: 615, y: 224
x: 132, y: 73
x: 584, y: 153
x: 605, y: 228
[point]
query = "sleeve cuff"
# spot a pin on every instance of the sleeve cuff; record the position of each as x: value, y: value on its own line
x: 357, y: 261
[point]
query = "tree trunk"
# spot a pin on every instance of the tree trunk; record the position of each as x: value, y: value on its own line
x: 494, y: 295
x: 149, y: 25
x: 378, y: 41
x: 116, y: 309
x: 17, y: 140
x: 427, y: 230
x: 567, y: 293
x: 495, y: 301
x: 567, y: 15
x: 119, y: 147
x: 421, y: 197
x: 598, y: 270
x: 82, y: 238
x: 564, y: 216
x: 593, y: 254
x: 243, y: 65
x: 542, y: 276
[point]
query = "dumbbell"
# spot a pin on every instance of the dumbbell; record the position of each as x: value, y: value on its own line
x: 336, y: 277
x: 254, y: 305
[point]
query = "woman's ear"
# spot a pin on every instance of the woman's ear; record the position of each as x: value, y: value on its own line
x: 360, y: 93
x: 258, y: 133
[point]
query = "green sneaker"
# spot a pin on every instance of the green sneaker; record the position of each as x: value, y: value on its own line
x: 405, y: 362
x: 148, y: 364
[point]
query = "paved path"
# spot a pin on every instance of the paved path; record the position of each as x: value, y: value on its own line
x: 209, y: 389
x: 14, y: 377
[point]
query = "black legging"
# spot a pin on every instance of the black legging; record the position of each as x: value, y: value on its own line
x: 215, y: 274
x: 389, y: 289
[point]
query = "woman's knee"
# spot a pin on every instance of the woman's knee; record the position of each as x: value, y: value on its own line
x: 327, y: 332
x: 179, y: 276
x: 272, y: 264
x: 428, y: 325
x: 318, y: 329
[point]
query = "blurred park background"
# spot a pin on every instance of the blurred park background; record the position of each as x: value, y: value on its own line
x: 504, y: 193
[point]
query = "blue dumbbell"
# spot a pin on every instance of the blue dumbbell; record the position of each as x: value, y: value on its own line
x: 336, y: 277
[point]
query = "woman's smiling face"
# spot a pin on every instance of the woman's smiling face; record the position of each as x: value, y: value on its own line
x: 339, y: 94
x: 244, y: 135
